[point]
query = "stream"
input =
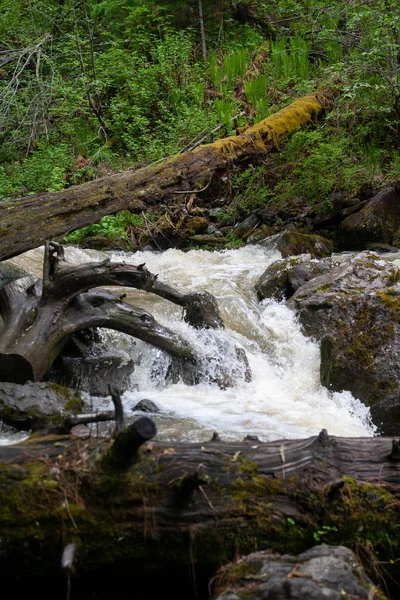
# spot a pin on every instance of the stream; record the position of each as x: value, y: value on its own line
x: 284, y: 398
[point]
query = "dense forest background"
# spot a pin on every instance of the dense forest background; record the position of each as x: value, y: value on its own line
x: 91, y: 87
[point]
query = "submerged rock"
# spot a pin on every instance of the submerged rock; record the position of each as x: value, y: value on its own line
x: 322, y: 573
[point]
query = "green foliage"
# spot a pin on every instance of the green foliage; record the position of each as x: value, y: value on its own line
x: 251, y: 189
x: 45, y: 170
x: 320, y: 163
x: 290, y: 57
x: 323, y: 532
x: 232, y: 241
x: 122, y: 83
x: 112, y: 227
x: 255, y: 91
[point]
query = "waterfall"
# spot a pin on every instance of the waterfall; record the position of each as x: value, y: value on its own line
x: 284, y: 398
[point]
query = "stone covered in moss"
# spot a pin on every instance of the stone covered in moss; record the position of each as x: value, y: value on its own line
x: 355, y: 310
x: 292, y: 243
x: 283, y: 277
x: 38, y: 405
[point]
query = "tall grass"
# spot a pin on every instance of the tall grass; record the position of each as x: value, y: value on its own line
x: 290, y: 57
x: 255, y: 91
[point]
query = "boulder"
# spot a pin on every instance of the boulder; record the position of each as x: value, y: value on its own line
x: 377, y: 221
x: 93, y: 374
x: 290, y: 243
x: 261, y: 234
x: 321, y: 573
x: 354, y: 310
x: 283, y: 277
x: 147, y: 406
x: 38, y: 406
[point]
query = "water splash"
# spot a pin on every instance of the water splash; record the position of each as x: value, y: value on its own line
x: 284, y: 398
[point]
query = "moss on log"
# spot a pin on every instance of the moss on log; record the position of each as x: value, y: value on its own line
x: 199, y: 504
x: 28, y: 222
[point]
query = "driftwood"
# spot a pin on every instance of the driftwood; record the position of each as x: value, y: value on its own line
x: 200, y: 505
x: 29, y: 222
x: 40, y: 316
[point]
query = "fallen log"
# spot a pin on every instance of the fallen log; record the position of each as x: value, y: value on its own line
x: 41, y: 316
x: 163, y: 506
x: 26, y: 223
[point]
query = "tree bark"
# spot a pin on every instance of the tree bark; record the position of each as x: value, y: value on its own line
x: 202, y: 32
x: 164, y: 505
x: 39, y: 317
x: 28, y: 222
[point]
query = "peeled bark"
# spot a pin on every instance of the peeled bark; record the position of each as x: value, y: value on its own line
x: 28, y: 222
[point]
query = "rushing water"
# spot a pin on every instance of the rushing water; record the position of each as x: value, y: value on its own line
x: 284, y: 398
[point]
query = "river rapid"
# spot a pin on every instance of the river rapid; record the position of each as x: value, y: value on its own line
x: 284, y: 398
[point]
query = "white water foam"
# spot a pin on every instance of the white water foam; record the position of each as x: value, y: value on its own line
x: 284, y: 398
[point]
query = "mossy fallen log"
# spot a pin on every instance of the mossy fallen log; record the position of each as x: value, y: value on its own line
x: 26, y: 223
x: 192, y: 506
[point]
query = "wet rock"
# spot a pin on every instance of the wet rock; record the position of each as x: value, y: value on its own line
x: 354, y: 309
x: 290, y: 243
x: 246, y: 227
x: 382, y: 248
x: 329, y: 213
x: 102, y: 242
x: 38, y: 405
x: 9, y: 272
x: 147, y: 406
x: 81, y: 431
x: 377, y: 221
x: 283, y: 277
x: 322, y: 573
x: 366, y: 191
x: 93, y: 374
x: 212, y: 230
x: 261, y: 234
x: 396, y: 239
x: 214, y: 212
x: 202, y: 311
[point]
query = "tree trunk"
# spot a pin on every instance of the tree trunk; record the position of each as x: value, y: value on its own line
x: 202, y: 32
x: 28, y: 222
x: 39, y: 317
x: 167, y: 505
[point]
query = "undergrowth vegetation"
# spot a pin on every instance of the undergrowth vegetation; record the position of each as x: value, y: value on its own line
x: 92, y: 87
